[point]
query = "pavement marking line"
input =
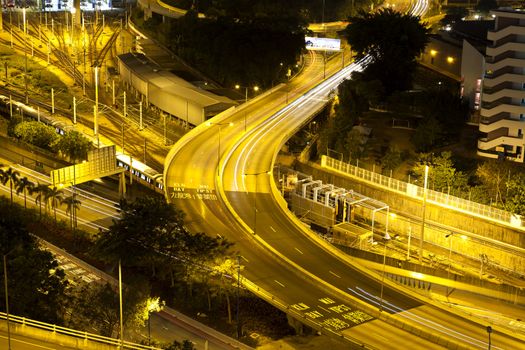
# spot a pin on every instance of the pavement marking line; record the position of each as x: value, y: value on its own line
x: 243, y: 258
x: 271, y: 228
x: 279, y: 283
x: 334, y: 274
x: 324, y: 309
x: 298, y: 250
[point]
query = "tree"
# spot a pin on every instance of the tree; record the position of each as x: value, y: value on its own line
x: 10, y: 175
x: 36, y: 133
x: 35, y: 282
x: 392, y: 159
x: 494, y: 176
x: 25, y: 186
x: 151, y: 234
x: 515, y: 201
x: 73, y: 145
x: 95, y: 308
x: 427, y: 134
x: 54, y: 196
x: 392, y: 40
x: 442, y: 176
x: 41, y: 196
x: 72, y: 206
x: 484, y: 6
x: 354, y: 144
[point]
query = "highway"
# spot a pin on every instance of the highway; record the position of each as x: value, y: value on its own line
x: 234, y: 163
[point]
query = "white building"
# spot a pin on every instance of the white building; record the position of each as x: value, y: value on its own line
x: 502, y: 119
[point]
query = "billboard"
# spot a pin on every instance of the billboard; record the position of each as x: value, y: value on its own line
x: 322, y: 44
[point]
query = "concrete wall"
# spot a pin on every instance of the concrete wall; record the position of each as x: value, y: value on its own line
x: 507, y: 260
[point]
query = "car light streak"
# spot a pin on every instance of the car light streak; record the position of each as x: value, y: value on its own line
x: 374, y: 299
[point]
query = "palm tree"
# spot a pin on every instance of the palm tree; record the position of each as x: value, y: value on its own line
x: 11, y: 175
x: 73, y: 205
x: 26, y: 186
x: 41, y: 191
x: 54, y: 196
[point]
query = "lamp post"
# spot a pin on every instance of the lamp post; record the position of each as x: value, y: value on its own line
x: 255, y: 198
x: 386, y: 238
x: 95, y: 111
x: 25, y: 53
x: 255, y: 88
x: 7, y: 304
x: 219, y: 145
x: 489, y: 331
x: 73, y: 12
x: 423, y: 216
x: 238, y: 287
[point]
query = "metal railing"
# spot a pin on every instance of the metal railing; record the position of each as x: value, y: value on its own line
x: 74, y: 333
x: 435, y: 197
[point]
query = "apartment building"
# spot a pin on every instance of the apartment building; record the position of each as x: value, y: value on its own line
x: 502, y: 117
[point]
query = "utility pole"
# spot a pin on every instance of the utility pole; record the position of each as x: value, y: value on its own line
x: 7, y: 304
x: 74, y: 110
x: 423, y: 216
x: 238, y: 288
x: 125, y: 107
x: 95, y: 124
x: 25, y: 53
x: 52, y: 101
x: 120, y: 303
x: 140, y: 116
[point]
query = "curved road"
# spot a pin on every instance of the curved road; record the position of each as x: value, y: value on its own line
x: 220, y: 175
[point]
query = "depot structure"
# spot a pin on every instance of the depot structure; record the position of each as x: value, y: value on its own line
x: 168, y: 93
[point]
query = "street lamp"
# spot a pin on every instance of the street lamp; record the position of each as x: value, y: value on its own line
x: 73, y: 12
x: 423, y: 215
x: 255, y: 88
x: 25, y: 53
x: 7, y: 303
x: 489, y: 331
x: 386, y: 238
x: 255, y: 198
x: 219, y: 148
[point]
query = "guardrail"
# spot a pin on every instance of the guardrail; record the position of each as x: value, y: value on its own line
x: 434, y: 197
x: 85, y: 336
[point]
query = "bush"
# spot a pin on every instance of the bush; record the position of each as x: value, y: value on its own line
x: 37, y: 134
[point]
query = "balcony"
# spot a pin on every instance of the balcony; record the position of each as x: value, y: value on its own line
x: 497, y: 35
x: 507, y: 47
x: 486, y: 144
x: 506, y: 62
x: 489, y: 125
x: 493, y: 109
x: 492, y: 95
x: 506, y: 77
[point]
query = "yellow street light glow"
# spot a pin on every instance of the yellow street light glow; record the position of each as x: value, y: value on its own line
x: 464, y: 237
x: 393, y: 216
x: 416, y: 275
x: 237, y: 86
x: 73, y: 10
x: 256, y: 88
x: 450, y: 59
x: 433, y: 53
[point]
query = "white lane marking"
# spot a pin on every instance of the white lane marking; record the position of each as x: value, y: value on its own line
x: 271, y: 228
x: 334, y: 274
x: 243, y: 258
x: 324, y: 309
x: 279, y: 283
x: 298, y: 250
